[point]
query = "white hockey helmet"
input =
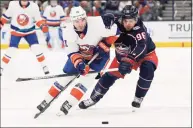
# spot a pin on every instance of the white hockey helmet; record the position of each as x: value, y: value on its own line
x: 77, y: 13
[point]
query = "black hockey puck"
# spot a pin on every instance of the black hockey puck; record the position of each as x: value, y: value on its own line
x: 105, y: 122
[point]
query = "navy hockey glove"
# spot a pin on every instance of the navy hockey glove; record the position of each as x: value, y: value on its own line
x: 125, y: 66
x: 82, y: 68
x: 108, y: 20
x: 102, y: 48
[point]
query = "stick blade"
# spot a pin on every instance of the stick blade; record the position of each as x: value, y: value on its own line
x: 36, y: 115
x: 22, y: 79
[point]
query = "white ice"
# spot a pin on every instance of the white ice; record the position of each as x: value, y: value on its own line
x: 168, y: 102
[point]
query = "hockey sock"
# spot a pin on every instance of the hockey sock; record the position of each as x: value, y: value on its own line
x: 78, y: 91
x: 36, y: 49
x: 145, y: 79
x: 103, y: 85
x: 53, y: 91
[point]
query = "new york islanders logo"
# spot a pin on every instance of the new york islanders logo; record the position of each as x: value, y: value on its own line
x: 52, y: 13
x: 86, y: 51
x: 22, y: 19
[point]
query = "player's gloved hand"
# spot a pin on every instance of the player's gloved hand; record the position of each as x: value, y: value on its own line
x: 102, y: 48
x: 82, y: 68
x: 108, y: 20
x: 44, y: 28
x: 125, y: 68
x: 126, y: 64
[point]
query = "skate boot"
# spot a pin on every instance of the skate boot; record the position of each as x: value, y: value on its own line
x: 98, y: 76
x: 136, y: 103
x: 65, y: 107
x: 42, y: 106
x: 49, y: 45
x: 45, y: 69
x: 86, y: 103
x: 63, y: 46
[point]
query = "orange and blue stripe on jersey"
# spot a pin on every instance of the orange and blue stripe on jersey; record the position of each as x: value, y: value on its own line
x: 54, y: 23
x: 5, y: 19
x: 76, y: 58
x: 62, y: 18
x: 21, y: 32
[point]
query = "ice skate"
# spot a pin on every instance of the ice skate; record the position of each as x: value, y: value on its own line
x: 45, y: 69
x: 86, y: 103
x: 41, y: 106
x: 136, y: 103
x: 65, y: 107
x: 49, y: 45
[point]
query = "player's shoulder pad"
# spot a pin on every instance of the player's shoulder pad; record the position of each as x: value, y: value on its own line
x: 34, y: 5
x: 59, y: 6
x: 97, y: 20
x: 13, y: 3
x: 68, y: 26
x: 48, y: 7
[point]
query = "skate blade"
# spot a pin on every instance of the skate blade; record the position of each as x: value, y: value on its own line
x: 134, y: 109
x: 60, y: 114
x: 37, y: 114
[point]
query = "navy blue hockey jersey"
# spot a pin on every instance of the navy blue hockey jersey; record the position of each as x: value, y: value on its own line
x: 135, y: 43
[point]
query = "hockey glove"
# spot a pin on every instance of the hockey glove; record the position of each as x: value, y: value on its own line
x: 108, y: 20
x: 125, y: 68
x: 44, y: 28
x: 126, y: 65
x: 102, y: 48
x: 82, y: 68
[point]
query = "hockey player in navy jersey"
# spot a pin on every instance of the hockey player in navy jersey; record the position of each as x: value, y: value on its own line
x: 134, y: 49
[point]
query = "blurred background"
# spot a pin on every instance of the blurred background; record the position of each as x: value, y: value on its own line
x: 149, y: 10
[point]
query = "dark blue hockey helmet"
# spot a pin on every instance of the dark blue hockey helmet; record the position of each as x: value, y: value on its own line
x: 129, y: 12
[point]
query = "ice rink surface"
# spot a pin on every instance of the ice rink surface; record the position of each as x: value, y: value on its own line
x: 168, y: 102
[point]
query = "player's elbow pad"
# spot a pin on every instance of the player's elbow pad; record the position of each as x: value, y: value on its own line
x: 105, y: 45
x: 76, y: 58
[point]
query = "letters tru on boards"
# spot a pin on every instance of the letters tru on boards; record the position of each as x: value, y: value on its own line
x: 180, y: 27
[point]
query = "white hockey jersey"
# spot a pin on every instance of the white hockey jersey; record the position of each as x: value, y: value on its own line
x: 54, y: 15
x: 96, y: 31
x: 23, y: 19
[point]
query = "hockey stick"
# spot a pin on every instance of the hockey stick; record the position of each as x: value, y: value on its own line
x: 47, y: 77
x: 60, y: 75
x: 64, y: 88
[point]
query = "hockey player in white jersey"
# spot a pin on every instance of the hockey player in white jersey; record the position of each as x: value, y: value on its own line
x: 85, y: 37
x: 22, y: 15
x: 54, y: 15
